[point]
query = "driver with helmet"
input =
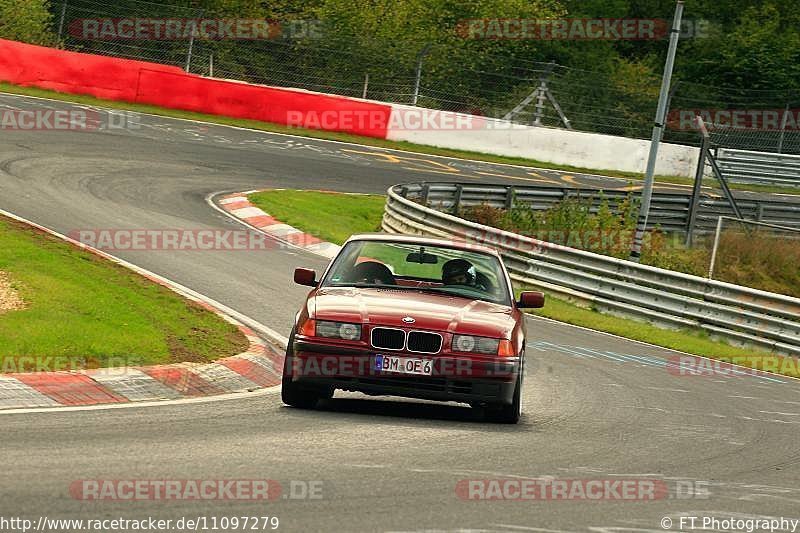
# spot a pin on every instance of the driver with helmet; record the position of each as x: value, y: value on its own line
x: 462, y: 272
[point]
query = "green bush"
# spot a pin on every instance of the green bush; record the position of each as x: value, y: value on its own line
x: 29, y: 21
x: 607, y: 229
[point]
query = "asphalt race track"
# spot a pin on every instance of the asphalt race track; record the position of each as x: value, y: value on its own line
x: 596, y: 406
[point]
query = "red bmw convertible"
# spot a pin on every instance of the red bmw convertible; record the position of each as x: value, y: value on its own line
x: 412, y: 317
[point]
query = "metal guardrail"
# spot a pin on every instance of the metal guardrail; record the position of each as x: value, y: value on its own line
x: 740, y: 314
x: 668, y: 211
x: 744, y: 166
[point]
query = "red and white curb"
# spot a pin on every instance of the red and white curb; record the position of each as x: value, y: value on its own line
x: 257, y: 368
x: 238, y: 206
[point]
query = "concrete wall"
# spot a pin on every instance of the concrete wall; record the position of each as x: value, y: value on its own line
x: 493, y: 136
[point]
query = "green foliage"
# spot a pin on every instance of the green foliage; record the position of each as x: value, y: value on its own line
x: 574, y: 222
x: 388, y: 35
x: 756, y: 45
x: 29, y: 21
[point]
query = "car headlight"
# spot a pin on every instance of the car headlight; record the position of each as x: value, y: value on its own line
x: 483, y: 345
x: 338, y: 330
x: 468, y: 343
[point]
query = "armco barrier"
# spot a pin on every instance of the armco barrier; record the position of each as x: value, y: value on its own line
x: 669, y: 210
x: 740, y: 314
x: 167, y: 86
x: 745, y: 166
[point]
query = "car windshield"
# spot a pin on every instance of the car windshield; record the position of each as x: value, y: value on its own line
x: 468, y: 274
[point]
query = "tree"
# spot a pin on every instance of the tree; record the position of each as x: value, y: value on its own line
x: 28, y: 21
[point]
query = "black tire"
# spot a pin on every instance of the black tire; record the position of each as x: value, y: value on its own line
x: 291, y: 393
x: 508, y: 414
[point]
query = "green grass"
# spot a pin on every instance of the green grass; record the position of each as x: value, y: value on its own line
x: 312, y: 211
x: 84, y: 308
x: 330, y: 216
x: 757, y: 259
x: 367, y: 141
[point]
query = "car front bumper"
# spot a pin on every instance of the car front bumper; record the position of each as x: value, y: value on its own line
x: 453, y: 379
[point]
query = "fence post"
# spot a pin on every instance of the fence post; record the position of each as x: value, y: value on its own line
x: 420, y: 57
x: 783, y: 129
x: 426, y: 189
x: 191, y: 44
x: 366, y: 85
x: 694, y: 204
x: 211, y: 66
x: 714, y: 249
x: 541, y: 93
x: 510, y: 193
x: 724, y: 184
x: 457, y: 198
x: 658, y: 128
x: 557, y: 107
x: 61, y: 21
x: 540, y: 98
x: 189, y: 53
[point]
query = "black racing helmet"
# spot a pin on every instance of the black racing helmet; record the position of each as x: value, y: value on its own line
x: 459, y: 272
x: 372, y: 272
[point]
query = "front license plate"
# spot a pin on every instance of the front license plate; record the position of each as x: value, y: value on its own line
x: 404, y: 365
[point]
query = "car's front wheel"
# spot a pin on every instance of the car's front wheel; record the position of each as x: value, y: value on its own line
x: 511, y: 413
x: 292, y: 393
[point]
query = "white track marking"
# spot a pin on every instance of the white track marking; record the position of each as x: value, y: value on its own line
x: 643, y: 343
x: 157, y: 403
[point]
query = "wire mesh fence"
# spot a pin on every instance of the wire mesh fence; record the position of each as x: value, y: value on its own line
x: 92, y: 26
x: 523, y: 91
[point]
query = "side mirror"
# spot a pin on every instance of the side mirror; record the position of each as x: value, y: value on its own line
x: 305, y: 276
x: 531, y: 300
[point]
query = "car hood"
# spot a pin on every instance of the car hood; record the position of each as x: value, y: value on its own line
x: 388, y: 307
